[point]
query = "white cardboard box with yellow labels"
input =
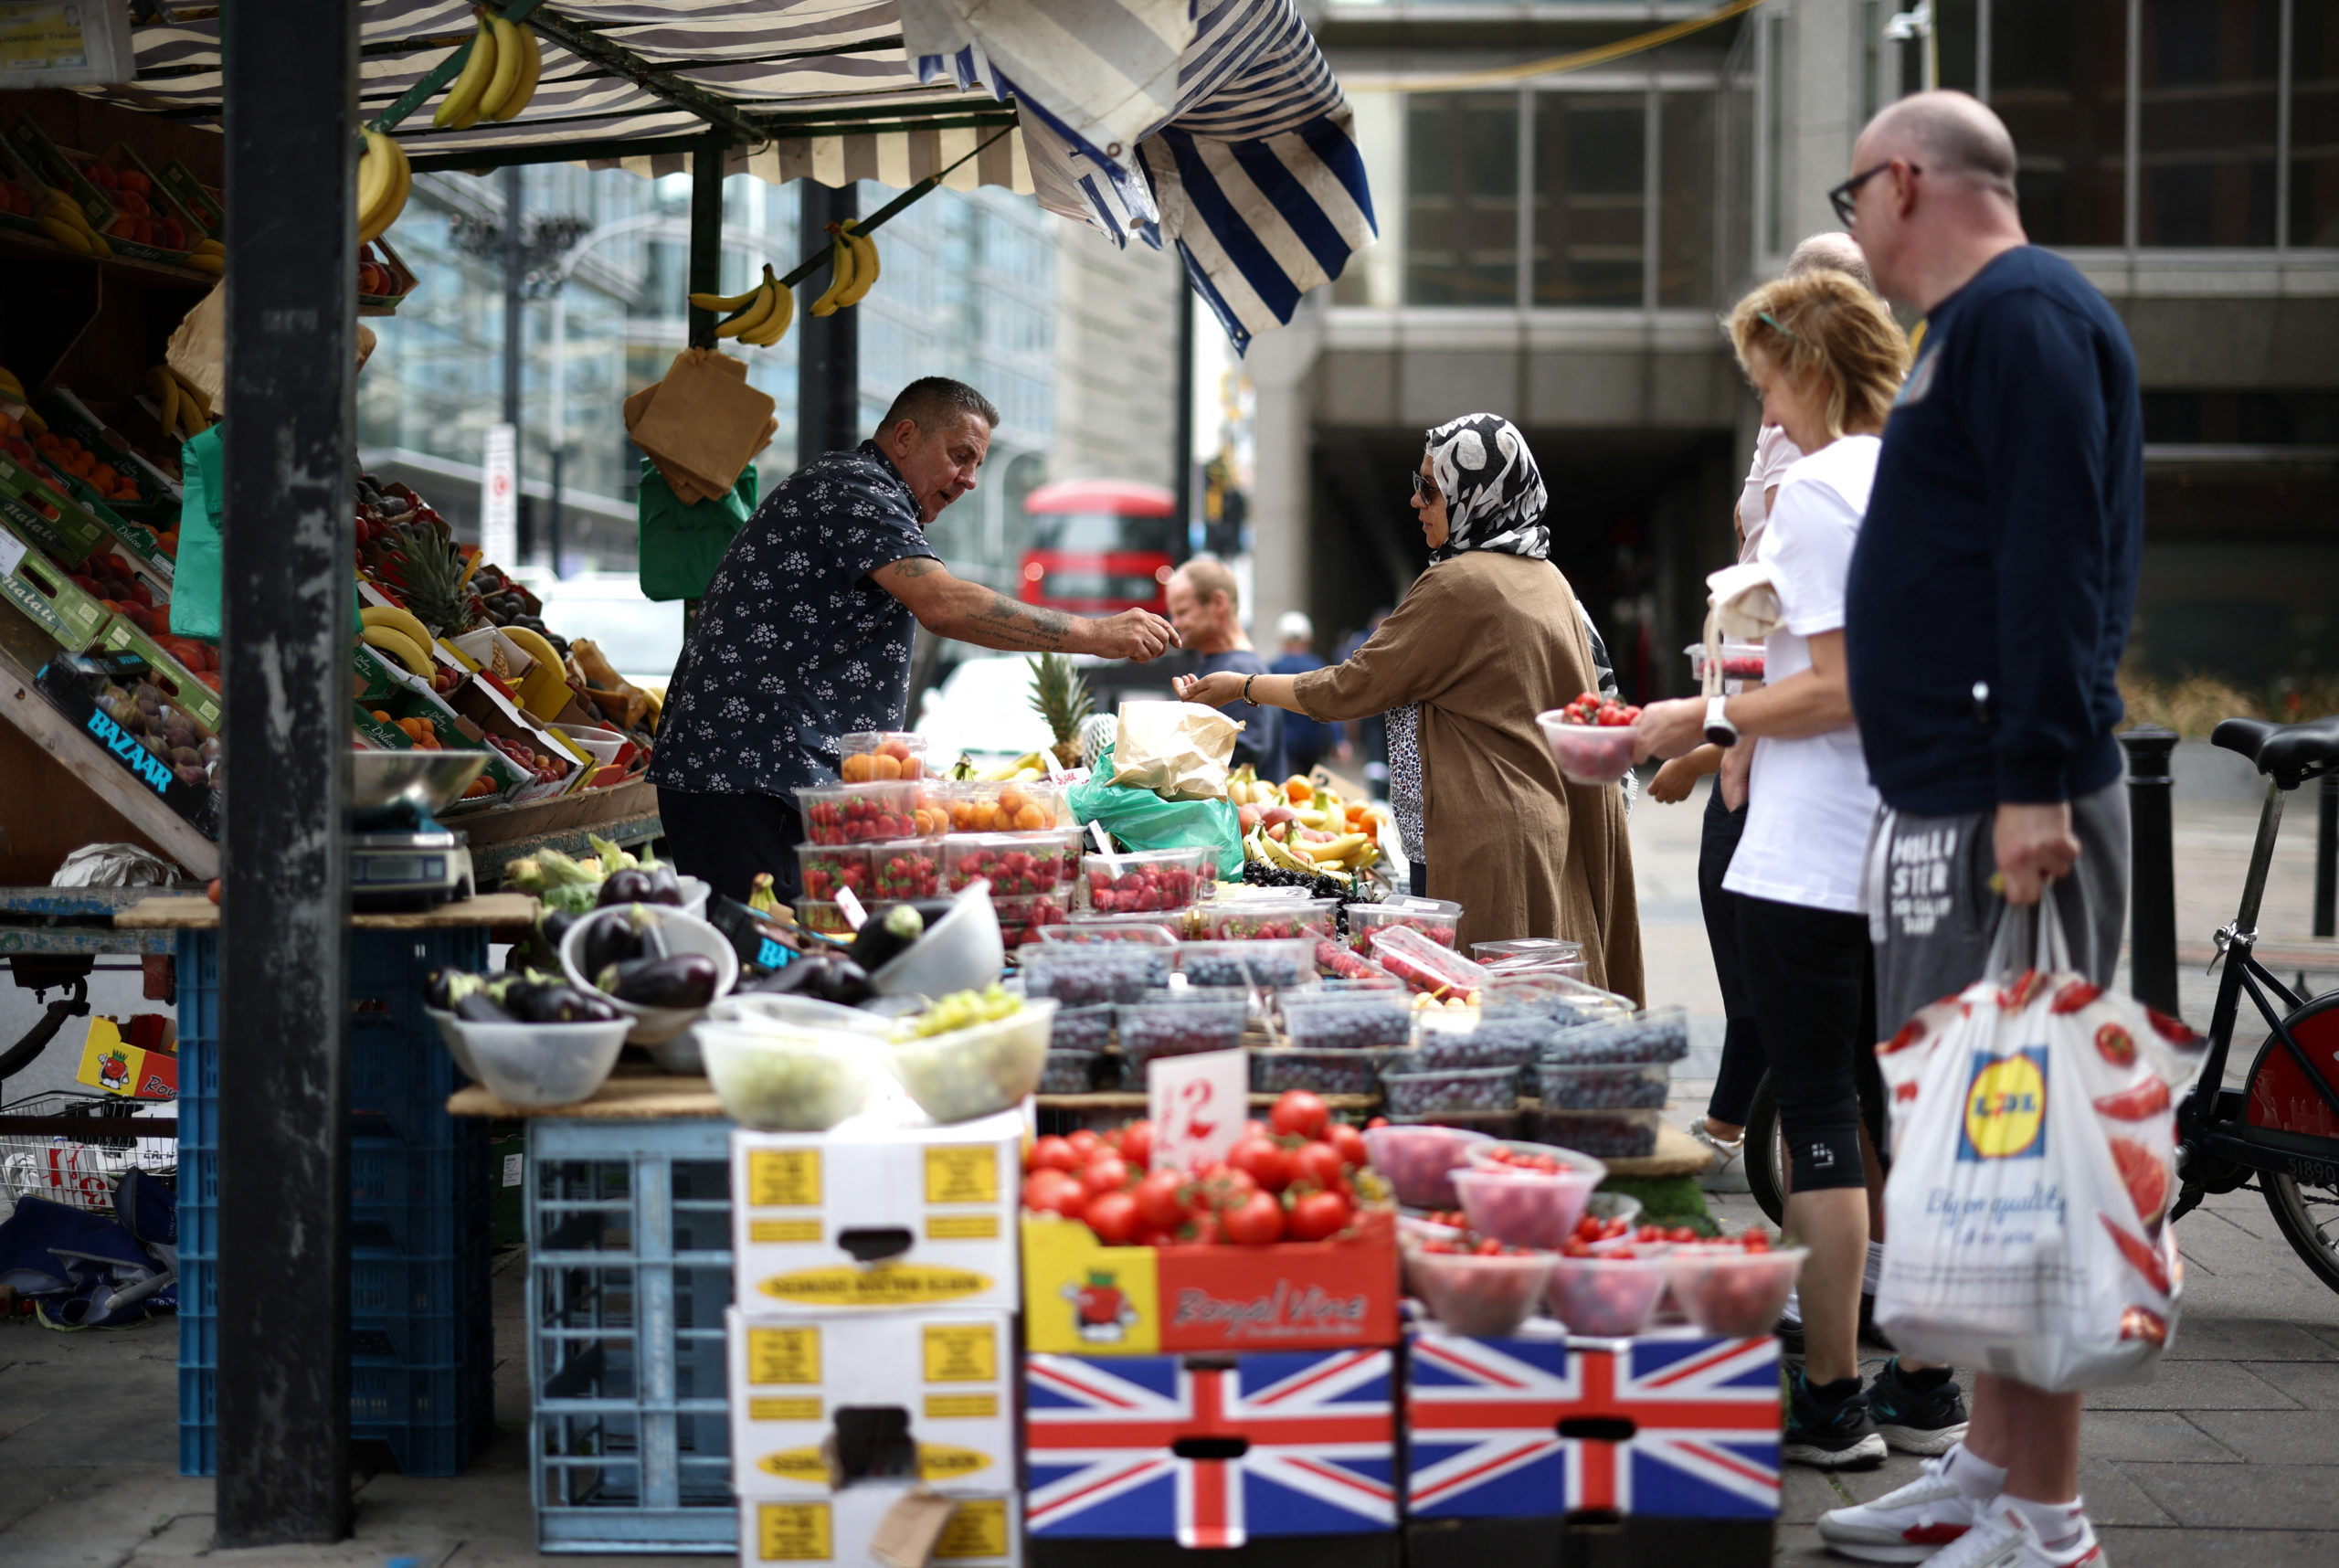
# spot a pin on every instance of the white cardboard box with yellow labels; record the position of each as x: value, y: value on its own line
x: 924, y: 1396
x: 868, y: 1215
x: 982, y: 1531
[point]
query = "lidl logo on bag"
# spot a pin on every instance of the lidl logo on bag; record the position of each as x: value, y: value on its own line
x: 2006, y: 1106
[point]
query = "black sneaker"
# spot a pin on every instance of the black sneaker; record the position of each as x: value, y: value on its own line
x: 1788, y: 1331
x: 1828, y: 1437
x: 1915, y: 1420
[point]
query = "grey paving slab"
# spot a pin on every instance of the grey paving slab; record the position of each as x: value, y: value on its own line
x: 2274, y: 1436
x: 2166, y: 1548
x: 93, y: 1515
x: 2205, y: 1337
x: 2207, y: 1385
x: 2314, y: 1384
x: 49, y: 1419
x: 2121, y: 1434
x: 2113, y: 1499
x: 2257, y: 1496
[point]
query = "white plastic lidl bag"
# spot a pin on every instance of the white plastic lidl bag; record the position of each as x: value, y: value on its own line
x: 2033, y: 1164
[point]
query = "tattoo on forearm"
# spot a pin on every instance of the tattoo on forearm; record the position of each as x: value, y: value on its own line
x: 1023, y: 625
x: 916, y: 565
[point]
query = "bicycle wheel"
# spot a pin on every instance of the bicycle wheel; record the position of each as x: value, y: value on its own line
x: 2306, y: 1214
x: 1766, y: 1153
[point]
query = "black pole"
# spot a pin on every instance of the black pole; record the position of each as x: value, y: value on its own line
x: 2152, y: 868
x: 707, y: 232
x: 514, y: 261
x: 2326, y: 857
x: 290, y: 70
x: 552, y: 528
x: 828, y: 356
x: 1183, y: 458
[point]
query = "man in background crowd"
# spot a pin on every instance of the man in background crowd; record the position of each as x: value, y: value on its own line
x: 1206, y: 609
x: 1306, y: 741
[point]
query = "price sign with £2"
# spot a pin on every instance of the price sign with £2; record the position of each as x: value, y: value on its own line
x: 1199, y: 1104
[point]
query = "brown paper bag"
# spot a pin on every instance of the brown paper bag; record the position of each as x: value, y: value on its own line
x: 907, y: 1536
x: 705, y: 421
x: 1178, y: 750
x: 197, y: 351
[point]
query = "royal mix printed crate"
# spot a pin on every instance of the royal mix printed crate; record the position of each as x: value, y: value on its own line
x: 629, y: 1277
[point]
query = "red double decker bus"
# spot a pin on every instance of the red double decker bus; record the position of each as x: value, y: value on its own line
x: 1101, y: 546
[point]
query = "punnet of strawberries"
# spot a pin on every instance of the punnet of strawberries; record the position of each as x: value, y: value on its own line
x: 1298, y: 1176
x: 1591, y: 707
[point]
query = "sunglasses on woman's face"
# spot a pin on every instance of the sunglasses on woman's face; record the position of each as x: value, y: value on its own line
x: 1425, y: 489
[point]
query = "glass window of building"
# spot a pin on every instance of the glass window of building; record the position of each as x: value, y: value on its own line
x: 1685, y: 210
x: 1590, y: 198
x: 1462, y: 200
x: 2210, y: 73
x: 2314, y: 123
x: 2059, y: 80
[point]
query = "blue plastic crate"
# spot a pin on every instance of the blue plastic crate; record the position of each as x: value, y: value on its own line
x: 420, y: 1447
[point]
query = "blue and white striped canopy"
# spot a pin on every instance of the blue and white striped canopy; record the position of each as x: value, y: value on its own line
x: 1213, y: 124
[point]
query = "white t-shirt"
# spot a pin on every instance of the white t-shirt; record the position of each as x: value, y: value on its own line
x: 1773, y: 455
x: 1809, y: 801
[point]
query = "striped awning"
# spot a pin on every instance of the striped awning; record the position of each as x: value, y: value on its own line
x: 1213, y: 124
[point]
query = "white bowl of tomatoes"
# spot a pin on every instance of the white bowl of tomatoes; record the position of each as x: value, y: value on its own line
x: 1591, y: 738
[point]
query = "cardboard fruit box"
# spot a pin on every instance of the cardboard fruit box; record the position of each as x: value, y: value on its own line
x: 46, y: 593
x: 72, y: 172
x: 191, y: 692
x: 1084, y: 1297
x: 73, y: 685
x: 49, y: 515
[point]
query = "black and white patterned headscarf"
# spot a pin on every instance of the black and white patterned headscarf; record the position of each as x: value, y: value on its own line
x: 1494, y: 492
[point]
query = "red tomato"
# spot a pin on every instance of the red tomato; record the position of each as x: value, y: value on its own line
x: 1202, y: 1230
x: 1319, y: 1215
x: 1048, y: 1191
x: 1113, y: 1216
x: 1254, y: 1222
x: 1085, y: 1142
x: 1137, y: 1144
x: 1052, y: 1153
x: 1319, y: 1163
x: 1266, y: 1162
x: 1161, y: 1199
x: 1300, y: 1113
x: 1350, y: 1142
x: 1109, y: 1173
x: 1375, y: 1121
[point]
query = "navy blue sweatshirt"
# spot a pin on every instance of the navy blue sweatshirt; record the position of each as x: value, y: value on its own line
x: 2000, y: 548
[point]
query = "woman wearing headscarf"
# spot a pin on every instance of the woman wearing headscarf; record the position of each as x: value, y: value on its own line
x: 1486, y: 638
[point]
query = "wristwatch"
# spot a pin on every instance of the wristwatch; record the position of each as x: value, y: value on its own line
x: 1719, y: 729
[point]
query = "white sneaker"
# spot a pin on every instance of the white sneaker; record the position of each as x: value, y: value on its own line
x: 1904, y: 1526
x: 2000, y: 1538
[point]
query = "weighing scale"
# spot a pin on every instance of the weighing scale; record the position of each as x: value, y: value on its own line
x: 400, y: 857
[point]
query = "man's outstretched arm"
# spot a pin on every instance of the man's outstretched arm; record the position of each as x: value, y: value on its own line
x: 950, y: 606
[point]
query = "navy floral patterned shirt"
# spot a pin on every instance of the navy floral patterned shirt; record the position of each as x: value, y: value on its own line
x: 795, y: 645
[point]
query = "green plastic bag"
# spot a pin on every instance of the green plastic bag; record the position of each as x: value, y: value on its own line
x: 1142, y: 819
x: 194, y: 575
x: 682, y: 546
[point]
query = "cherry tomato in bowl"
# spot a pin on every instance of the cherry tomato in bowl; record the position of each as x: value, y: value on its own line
x: 1727, y: 1288
x: 1524, y: 1208
x: 1484, y: 1295
x: 1609, y: 1297
x: 1419, y: 1161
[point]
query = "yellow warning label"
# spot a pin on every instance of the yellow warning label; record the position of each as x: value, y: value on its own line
x: 794, y: 1409
x: 961, y: 1406
x: 962, y: 1227
x: 784, y: 1230
x: 794, y: 1532
x: 784, y: 1179
x: 887, y: 1285
x: 940, y: 1462
x: 784, y: 1355
x: 978, y: 1530
x: 804, y: 1464
x: 961, y: 1352
x: 962, y: 1174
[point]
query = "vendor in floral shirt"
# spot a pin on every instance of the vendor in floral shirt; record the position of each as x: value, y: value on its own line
x: 804, y: 635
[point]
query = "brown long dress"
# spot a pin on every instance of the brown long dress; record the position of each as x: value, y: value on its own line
x: 1483, y: 644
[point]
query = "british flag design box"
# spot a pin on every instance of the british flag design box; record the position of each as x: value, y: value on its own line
x: 1211, y: 1452
x: 1677, y: 1424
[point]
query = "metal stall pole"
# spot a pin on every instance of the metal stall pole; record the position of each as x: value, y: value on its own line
x: 2152, y: 868
x: 514, y: 333
x: 291, y: 90
x: 1181, y: 473
x: 705, y: 265
x: 828, y: 352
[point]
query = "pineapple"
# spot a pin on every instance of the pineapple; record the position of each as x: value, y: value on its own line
x: 436, y: 582
x: 1060, y: 695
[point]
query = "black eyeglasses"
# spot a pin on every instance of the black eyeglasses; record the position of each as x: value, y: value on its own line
x: 1425, y: 488
x: 1845, y: 198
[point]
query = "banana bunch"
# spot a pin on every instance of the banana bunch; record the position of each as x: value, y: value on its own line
x: 61, y: 218
x: 497, y: 80
x: 400, y: 634
x: 1300, y: 825
x: 1028, y: 769
x: 761, y: 316
x: 384, y: 182
x: 208, y: 255
x: 180, y: 407
x: 853, y: 268
x: 13, y: 390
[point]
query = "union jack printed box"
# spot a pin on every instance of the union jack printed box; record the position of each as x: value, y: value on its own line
x: 1211, y: 1453
x: 1676, y: 1423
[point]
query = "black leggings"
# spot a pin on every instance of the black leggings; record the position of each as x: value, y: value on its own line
x: 723, y: 840
x: 1812, y: 980
x: 1742, y: 1062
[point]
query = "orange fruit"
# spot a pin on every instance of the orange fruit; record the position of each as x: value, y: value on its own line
x: 962, y: 816
x: 1299, y: 791
x: 1031, y: 819
x: 1012, y: 801
x: 885, y: 767
x: 856, y: 768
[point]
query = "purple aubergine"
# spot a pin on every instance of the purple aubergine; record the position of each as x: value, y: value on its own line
x: 686, y: 979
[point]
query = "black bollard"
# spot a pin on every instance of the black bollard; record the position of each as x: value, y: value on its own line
x: 2151, y: 867
x: 2326, y: 857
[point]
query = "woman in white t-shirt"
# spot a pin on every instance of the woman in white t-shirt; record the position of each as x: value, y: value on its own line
x: 1828, y: 360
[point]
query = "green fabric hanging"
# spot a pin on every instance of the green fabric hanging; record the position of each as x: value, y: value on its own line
x: 194, y: 575
x: 682, y: 546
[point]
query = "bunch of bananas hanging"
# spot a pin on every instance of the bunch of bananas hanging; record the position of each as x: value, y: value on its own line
x: 384, y: 182
x: 14, y: 391
x: 498, y: 78
x: 61, y: 218
x: 760, y: 316
x: 853, y: 268
x: 397, y: 633
x: 179, y: 404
